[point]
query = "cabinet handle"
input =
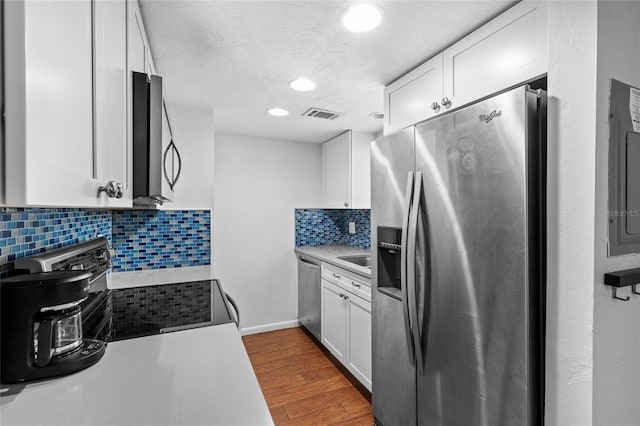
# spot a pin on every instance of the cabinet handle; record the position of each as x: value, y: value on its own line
x: 446, y: 102
x: 435, y: 107
x: 174, y: 175
x: 355, y: 284
x: 113, y: 189
x: 346, y: 204
x: 119, y: 190
x: 335, y: 275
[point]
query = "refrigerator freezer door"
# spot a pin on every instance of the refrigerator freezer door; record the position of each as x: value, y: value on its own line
x: 474, y: 295
x: 394, y: 386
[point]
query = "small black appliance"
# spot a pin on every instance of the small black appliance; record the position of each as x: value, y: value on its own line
x: 41, y: 326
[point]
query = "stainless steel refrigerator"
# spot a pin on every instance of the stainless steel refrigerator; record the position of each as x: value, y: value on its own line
x: 458, y: 239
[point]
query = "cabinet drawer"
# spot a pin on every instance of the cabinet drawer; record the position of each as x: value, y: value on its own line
x: 353, y: 283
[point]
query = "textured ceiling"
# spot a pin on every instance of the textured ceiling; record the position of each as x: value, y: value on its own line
x: 238, y: 57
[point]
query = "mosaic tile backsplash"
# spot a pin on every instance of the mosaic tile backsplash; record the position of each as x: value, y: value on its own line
x: 28, y: 231
x: 139, y: 310
x: 158, y: 239
x: 316, y: 227
x: 142, y: 239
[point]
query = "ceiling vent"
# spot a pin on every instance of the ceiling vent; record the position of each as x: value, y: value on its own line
x: 321, y: 113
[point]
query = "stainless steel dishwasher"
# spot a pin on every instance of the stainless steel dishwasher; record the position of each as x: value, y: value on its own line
x: 309, y: 294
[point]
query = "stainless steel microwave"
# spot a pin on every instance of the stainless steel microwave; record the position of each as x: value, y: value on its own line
x: 156, y: 159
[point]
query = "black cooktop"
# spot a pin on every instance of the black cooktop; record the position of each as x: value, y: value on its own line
x: 144, y: 311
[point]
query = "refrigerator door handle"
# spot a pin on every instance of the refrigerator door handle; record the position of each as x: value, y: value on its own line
x: 403, y: 267
x: 412, y: 270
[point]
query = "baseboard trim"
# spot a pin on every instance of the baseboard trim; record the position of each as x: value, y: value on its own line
x: 245, y: 331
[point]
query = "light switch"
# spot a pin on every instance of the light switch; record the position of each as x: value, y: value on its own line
x: 352, y: 227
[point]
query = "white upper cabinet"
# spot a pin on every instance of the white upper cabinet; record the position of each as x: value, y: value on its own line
x: 414, y: 97
x: 113, y: 150
x: 346, y: 167
x: 509, y: 50
x: 336, y: 156
x: 138, y: 46
x: 68, y: 101
x: 49, y: 104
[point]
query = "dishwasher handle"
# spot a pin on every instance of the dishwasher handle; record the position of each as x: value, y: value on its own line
x: 308, y: 263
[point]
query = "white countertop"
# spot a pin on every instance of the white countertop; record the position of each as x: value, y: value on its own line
x: 201, y: 376
x: 331, y: 253
x: 117, y: 280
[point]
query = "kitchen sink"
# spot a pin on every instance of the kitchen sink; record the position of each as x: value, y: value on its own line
x: 363, y: 260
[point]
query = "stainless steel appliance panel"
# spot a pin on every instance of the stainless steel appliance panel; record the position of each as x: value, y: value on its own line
x: 393, y: 384
x: 473, y: 291
x: 309, y: 294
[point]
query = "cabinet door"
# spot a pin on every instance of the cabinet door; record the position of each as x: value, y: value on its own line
x: 49, y: 105
x: 110, y: 101
x: 334, y: 330
x: 359, y: 338
x: 137, y: 39
x: 408, y: 100
x: 361, y: 170
x: 508, y: 50
x: 337, y: 171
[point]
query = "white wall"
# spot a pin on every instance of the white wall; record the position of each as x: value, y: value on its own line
x: 617, y: 324
x: 571, y: 200
x: 258, y: 184
x: 193, y: 135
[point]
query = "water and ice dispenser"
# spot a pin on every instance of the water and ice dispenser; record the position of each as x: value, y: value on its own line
x: 389, y: 250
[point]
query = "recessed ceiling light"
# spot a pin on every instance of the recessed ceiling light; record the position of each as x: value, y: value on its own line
x: 278, y: 112
x: 302, y: 85
x: 362, y: 17
x: 377, y: 115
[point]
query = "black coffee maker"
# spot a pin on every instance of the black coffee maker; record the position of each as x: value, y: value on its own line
x: 41, y: 326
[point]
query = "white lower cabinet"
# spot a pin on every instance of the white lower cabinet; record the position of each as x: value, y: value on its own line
x: 334, y: 328
x: 346, y: 321
x: 359, y: 341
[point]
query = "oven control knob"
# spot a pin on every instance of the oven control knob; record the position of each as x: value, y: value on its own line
x: 108, y: 254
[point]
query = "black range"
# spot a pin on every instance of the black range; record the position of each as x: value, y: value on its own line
x: 148, y: 310
x: 112, y: 315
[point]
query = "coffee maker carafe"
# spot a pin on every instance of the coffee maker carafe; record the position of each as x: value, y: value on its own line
x: 41, y: 326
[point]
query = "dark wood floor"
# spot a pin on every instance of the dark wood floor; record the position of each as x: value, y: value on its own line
x: 301, y: 382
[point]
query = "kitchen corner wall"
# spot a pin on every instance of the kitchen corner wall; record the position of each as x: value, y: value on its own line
x: 259, y: 183
x: 143, y: 239
x: 315, y: 227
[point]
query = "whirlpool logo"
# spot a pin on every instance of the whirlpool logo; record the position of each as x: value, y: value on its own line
x: 488, y: 117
